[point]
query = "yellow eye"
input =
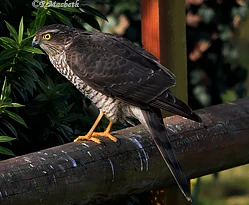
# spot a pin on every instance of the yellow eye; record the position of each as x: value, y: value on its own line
x: 34, y: 39
x: 47, y: 36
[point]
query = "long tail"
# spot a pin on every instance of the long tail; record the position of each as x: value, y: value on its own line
x: 154, y: 122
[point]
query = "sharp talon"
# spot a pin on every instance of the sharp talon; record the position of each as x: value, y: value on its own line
x: 91, y: 135
x: 89, y: 138
x: 94, y: 139
x: 105, y: 134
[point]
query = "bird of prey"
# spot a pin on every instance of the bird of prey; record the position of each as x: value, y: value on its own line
x: 123, y: 80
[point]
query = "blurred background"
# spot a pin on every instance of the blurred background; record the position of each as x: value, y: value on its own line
x: 40, y: 109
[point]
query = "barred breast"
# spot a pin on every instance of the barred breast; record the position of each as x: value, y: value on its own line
x: 112, y: 108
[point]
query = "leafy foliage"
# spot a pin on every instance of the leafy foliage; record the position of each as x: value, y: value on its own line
x: 6, y: 115
x: 54, y: 112
x: 4, y: 150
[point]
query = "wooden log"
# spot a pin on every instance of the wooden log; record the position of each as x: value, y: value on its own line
x: 83, y: 172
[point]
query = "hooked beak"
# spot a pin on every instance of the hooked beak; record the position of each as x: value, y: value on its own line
x: 34, y: 42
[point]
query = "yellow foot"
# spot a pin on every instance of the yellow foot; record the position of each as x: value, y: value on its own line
x: 94, y: 139
x: 105, y: 134
x: 86, y: 137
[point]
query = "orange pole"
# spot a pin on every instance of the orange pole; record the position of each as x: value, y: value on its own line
x: 151, y: 42
x: 150, y: 26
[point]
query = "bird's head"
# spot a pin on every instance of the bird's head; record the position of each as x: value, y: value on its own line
x: 54, y: 39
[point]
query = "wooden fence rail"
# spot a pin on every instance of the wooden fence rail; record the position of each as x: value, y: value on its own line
x: 83, y: 172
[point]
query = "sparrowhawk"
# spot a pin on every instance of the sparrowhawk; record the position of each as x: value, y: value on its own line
x: 123, y: 80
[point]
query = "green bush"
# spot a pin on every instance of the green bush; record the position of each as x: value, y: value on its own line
x: 54, y: 112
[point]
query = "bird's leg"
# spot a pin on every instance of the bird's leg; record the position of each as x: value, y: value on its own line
x: 89, y: 135
x: 106, y: 133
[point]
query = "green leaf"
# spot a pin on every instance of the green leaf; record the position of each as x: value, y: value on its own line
x: 32, y: 50
x: 5, y: 91
x: 6, y: 138
x: 7, y: 54
x: 32, y: 61
x: 4, y: 65
x: 30, y: 85
x: 39, y: 21
x: 71, y: 117
x: 58, y: 88
x: 41, y: 97
x: 6, y: 151
x: 62, y: 18
x: 92, y: 11
x: 40, y: 18
x: 9, y: 126
x: 27, y: 39
x: 22, y: 92
x: 9, y: 41
x: 31, y: 72
x: 43, y: 86
x: 4, y: 104
x: 5, y: 45
x: 12, y: 31
x: 31, y: 31
x: 15, y: 117
x: 65, y: 130
x: 68, y: 108
x: 20, y: 32
x: 12, y: 105
x: 70, y: 9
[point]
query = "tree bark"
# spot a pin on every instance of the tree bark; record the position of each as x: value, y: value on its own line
x: 85, y: 173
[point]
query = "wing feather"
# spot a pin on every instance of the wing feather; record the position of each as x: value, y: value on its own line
x: 118, y: 68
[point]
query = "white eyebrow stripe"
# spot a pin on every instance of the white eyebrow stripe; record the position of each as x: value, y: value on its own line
x: 52, y: 31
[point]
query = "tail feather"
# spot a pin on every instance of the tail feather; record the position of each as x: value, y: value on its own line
x: 154, y: 121
x: 167, y: 101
